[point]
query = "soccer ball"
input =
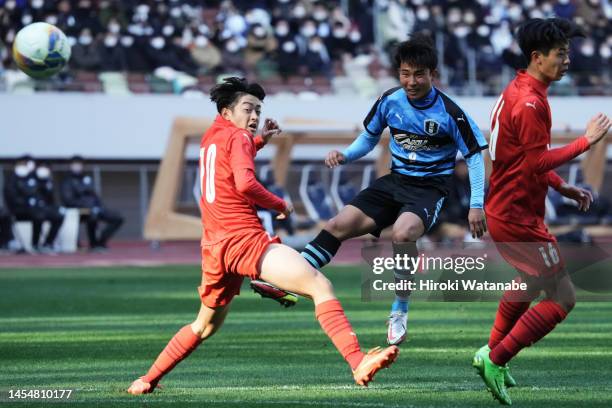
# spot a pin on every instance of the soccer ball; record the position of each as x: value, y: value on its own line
x: 41, y: 50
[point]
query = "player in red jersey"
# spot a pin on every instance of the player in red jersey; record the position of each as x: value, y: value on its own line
x: 235, y: 245
x: 522, y: 171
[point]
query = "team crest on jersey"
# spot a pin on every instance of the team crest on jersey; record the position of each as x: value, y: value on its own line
x: 431, y: 127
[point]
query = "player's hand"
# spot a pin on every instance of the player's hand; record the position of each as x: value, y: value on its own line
x: 478, y: 224
x: 334, y: 158
x: 285, y: 214
x: 582, y: 196
x: 269, y: 129
x: 597, y: 128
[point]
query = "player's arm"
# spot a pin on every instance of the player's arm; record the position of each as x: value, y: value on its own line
x: 373, y: 124
x: 242, y: 150
x: 471, y: 143
x: 529, y: 117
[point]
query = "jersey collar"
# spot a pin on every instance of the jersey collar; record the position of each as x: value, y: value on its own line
x: 219, y: 120
x: 539, y: 86
x: 425, y: 102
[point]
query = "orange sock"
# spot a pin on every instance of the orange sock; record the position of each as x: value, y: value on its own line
x: 181, y: 345
x: 337, y: 327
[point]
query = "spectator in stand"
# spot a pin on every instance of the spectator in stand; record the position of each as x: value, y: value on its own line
x: 205, y: 54
x: 260, y: 44
x: 134, y: 56
x: 26, y: 202
x: 77, y: 191
x: 112, y: 56
x: 316, y: 58
x: 85, y: 53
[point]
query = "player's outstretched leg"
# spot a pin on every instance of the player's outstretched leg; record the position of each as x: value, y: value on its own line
x: 285, y: 268
x: 184, y: 342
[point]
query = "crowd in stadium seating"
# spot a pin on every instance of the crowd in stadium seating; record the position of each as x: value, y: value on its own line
x: 30, y: 196
x: 281, y: 38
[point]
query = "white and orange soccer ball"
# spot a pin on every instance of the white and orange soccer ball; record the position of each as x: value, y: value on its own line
x: 41, y: 50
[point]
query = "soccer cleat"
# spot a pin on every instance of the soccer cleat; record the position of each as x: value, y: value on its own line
x: 267, y: 290
x: 396, y: 332
x: 375, y: 360
x: 509, y: 381
x: 140, y: 386
x: 493, y: 377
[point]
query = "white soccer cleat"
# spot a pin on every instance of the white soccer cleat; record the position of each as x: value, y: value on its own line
x: 396, y: 332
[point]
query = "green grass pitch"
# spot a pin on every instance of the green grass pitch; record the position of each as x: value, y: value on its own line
x: 94, y: 330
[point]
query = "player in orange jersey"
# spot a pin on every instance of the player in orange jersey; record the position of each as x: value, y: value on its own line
x: 235, y: 245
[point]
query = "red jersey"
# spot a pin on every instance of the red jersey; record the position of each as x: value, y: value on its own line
x: 227, y: 182
x: 522, y: 163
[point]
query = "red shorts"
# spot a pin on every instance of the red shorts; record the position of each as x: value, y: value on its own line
x: 530, y: 249
x: 226, y: 263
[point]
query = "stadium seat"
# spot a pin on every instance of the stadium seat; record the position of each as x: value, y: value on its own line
x: 314, y: 196
x: 342, y: 190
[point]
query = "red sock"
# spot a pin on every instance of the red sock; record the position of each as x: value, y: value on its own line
x: 511, y: 307
x: 181, y: 345
x: 337, y: 327
x: 536, y: 323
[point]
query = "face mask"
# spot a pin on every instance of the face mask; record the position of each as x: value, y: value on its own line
x: 110, y: 41
x: 339, y: 33
x: 563, y: 2
x: 282, y: 30
x: 422, y: 13
x: 605, y: 51
x: 483, y: 30
x: 85, y: 40
x: 529, y: 4
x: 114, y: 28
x: 158, y: 43
x: 454, y: 16
x: 168, y: 30
x: 127, y: 41
x: 37, y: 3
x: 462, y: 31
x: 587, y: 50
x: 535, y: 13
x: 308, y: 30
x: 547, y: 8
x: 26, y: 19
x: 10, y: 5
x: 175, y: 12
x: 52, y: 19
x: 289, y: 47
x: 21, y: 170
x: 232, y: 46
x: 319, y: 15
x: 203, y: 29
x: 259, y: 32
x: 417, y: 2
x: 201, y: 41
x: 355, y: 36
x: 76, y: 168
x: 323, y: 30
x: 315, y: 46
x: 469, y: 18
x: 142, y: 9
x: 43, y: 172
x: 515, y: 12
x: 31, y: 165
x: 299, y: 11
x: 72, y: 41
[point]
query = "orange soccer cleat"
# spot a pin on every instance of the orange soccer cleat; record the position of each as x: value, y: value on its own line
x: 375, y: 360
x: 140, y: 386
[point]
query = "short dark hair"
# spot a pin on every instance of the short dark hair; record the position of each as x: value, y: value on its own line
x: 77, y: 158
x: 543, y: 35
x: 419, y: 51
x: 227, y: 93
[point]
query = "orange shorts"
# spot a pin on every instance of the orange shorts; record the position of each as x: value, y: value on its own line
x: 226, y: 263
x: 530, y: 249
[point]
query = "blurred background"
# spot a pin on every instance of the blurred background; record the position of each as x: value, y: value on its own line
x: 140, y: 72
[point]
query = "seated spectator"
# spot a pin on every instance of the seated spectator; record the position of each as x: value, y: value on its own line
x: 27, y: 203
x: 77, y: 191
x: 205, y: 54
x: 85, y: 53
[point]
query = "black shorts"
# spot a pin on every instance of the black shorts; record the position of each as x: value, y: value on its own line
x: 394, y: 194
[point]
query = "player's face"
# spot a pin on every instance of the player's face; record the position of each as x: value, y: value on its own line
x: 245, y: 114
x: 416, y: 81
x: 554, y: 65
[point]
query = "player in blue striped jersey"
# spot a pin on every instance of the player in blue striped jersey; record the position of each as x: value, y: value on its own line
x: 427, y: 130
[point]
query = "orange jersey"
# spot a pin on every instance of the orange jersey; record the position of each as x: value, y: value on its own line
x: 225, y: 152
